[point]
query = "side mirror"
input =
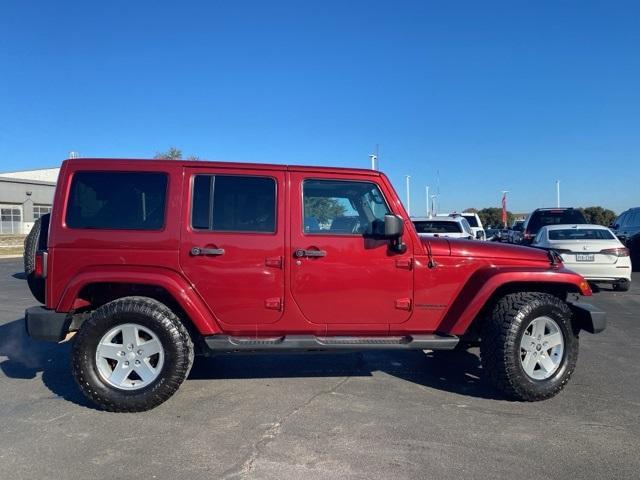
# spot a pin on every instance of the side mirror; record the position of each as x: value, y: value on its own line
x: 479, y: 234
x: 393, y: 226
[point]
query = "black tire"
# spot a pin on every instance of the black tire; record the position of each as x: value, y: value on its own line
x: 36, y: 240
x: 500, y: 345
x: 622, y: 286
x: 151, y: 314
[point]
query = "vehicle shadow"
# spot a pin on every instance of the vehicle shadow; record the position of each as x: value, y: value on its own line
x: 456, y: 371
x: 20, y: 275
x: 26, y: 358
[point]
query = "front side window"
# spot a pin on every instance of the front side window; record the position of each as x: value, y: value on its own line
x: 234, y: 203
x: 336, y: 207
x: 117, y: 200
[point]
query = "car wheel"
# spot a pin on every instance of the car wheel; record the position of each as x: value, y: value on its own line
x: 623, y: 286
x: 529, y: 348
x: 131, y: 355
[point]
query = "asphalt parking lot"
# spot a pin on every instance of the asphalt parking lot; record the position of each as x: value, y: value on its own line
x: 357, y: 415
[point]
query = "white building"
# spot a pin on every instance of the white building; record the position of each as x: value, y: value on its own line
x: 24, y: 197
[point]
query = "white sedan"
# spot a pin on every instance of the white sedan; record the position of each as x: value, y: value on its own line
x: 593, y: 251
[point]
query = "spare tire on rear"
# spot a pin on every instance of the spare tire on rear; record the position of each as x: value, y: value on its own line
x: 36, y: 240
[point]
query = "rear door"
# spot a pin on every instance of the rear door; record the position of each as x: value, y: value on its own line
x: 340, y: 275
x: 233, y: 243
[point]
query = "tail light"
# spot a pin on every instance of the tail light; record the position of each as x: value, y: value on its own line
x: 619, y: 252
x: 40, y: 267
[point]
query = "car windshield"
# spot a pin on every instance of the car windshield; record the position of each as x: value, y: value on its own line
x: 580, y: 234
x: 472, y: 220
x: 554, y: 217
x: 437, y: 226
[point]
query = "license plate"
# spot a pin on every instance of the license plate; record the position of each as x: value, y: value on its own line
x: 584, y: 257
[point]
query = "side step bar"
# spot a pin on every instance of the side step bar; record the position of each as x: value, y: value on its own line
x: 226, y: 343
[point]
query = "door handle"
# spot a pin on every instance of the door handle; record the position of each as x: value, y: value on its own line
x: 299, y: 253
x: 198, y: 251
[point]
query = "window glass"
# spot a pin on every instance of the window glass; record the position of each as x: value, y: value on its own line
x: 10, y: 219
x: 466, y: 226
x: 234, y: 203
x: 633, y: 219
x: 554, y: 217
x: 473, y: 221
x: 621, y: 220
x: 40, y: 210
x: 338, y: 207
x: 580, y: 234
x: 117, y: 200
x: 437, y: 226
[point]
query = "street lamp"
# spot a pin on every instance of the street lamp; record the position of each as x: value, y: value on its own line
x: 408, y: 188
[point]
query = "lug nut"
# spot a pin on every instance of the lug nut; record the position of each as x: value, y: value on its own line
x: 126, y: 364
x: 140, y: 352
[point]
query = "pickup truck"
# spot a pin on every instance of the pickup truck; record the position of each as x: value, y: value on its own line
x: 143, y: 264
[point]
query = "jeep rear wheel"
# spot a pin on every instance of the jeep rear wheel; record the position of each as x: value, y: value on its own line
x: 131, y: 355
x: 529, y: 348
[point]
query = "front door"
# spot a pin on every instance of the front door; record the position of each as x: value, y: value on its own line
x: 339, y: 274
x: 233, y: 243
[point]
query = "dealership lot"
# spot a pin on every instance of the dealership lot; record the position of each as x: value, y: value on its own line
x: 356, y: 415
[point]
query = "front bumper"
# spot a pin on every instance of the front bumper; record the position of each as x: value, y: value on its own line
x: 44, y: 324
x: 588, y: 317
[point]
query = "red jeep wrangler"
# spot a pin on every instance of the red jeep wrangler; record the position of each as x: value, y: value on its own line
x: 149, y: 262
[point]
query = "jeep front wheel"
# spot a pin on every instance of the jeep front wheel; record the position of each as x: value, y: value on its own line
x: 529, y: 348
x: 131, y: 355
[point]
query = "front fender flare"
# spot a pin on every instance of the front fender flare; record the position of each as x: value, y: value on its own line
x: 484, y: 283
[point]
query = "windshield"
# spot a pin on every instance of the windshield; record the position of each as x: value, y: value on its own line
x: 437, y: 226
x: 580, y: 234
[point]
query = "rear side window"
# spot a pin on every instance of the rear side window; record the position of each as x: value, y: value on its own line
x: 471, y: 219
x: 580, y: 234
x: 117, y: 200
x: 554, y: 217
x: 234, y: 203
x: 429, y: 226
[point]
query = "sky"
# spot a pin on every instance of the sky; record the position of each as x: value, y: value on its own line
x: 474, y: 96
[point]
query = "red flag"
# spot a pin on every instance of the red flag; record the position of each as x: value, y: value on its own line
x: 504, y: 208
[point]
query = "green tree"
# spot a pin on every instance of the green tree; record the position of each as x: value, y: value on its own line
x: 323, y: 209
x: 492, y: 217
x: 173, y: 154
x: 470, y: 210
x: 599, y: 215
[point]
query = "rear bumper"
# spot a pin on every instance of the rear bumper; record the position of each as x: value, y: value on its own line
x: 44, y: 324
x: 588, y: 317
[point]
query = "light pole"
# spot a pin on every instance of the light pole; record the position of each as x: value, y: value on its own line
x: 408, y: 188
x: 558, y: 193
x: 374, y: 159
x: 427, y: 200
x: 434, y: 205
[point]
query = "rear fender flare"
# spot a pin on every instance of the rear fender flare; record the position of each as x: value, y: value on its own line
x: 176, y: 285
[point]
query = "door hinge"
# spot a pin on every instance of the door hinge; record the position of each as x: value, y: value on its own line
x: 403, y: 304
x: 404, y: 263
x: 273, y: 262
x: 273, y: 303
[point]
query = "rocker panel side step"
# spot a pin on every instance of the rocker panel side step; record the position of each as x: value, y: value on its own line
x: 226, y: 343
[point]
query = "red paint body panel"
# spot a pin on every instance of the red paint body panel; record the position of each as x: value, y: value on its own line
x: 258, y: 288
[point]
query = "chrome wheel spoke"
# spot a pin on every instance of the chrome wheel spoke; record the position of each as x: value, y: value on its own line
x: 130, y: 335
x: 546, y: 363
x: 146, y: 372
x: 119, y: 374
x: 110, y: 350
x: 552, y: 340
x: 529, y: 363
x: 150, y: 348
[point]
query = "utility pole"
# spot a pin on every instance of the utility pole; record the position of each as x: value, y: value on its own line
x: 408, y: 188
x: 558, y: 193
x: 427, y: 200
